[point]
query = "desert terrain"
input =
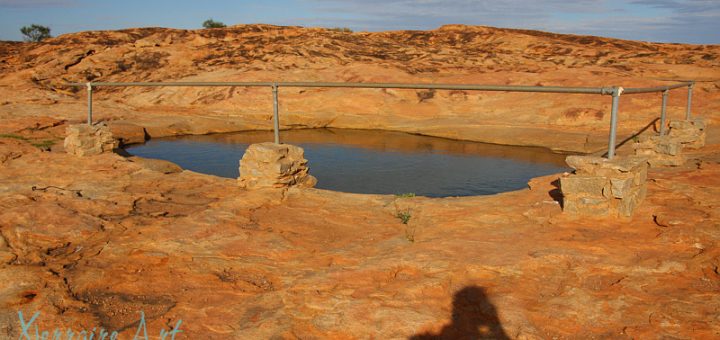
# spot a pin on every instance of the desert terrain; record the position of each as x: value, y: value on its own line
x: 89, y: 242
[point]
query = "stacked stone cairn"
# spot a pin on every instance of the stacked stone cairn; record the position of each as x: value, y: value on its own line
x: 88, y: 140
x: 603, y: 187
x: 270, y: 165
x: 667, y: 150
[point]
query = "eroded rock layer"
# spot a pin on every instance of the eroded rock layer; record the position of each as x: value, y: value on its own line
x: 32, y: 77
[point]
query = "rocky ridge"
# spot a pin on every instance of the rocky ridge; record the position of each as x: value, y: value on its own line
x: 32, y: 77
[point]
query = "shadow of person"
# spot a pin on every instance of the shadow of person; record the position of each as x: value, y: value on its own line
x: 556, y: 193
x: 473, y: 317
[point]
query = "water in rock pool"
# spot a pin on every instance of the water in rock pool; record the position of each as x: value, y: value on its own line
x: 368, y: 161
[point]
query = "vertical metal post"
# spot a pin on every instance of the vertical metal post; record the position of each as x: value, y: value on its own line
x: 613, y: 121
x: 663, y: 111
x: 689, y: 100
x: 276, y: 118
x: 89, y: 94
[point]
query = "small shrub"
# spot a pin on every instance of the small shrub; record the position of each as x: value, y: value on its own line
x: 341, y: 29
x: 210, y: 23
x: 35, y: 33
x: 149, y: 61
x: 404, y: 216
x: 122, y: 66
x: 405, y: 195
x: 410, y: 234
x: 425, y: 95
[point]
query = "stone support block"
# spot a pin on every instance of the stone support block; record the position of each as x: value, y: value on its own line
x: 621, y: 187
x: 586, y: 185
x: 604, y: 187
x: 586, y: 206
x: 661, y: 150
x: 691, y: 133
x: 270, y: 165
x: 87, y: 140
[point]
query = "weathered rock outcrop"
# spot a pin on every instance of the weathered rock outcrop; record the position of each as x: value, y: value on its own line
x: 270, y: 165
x: 127, y: 133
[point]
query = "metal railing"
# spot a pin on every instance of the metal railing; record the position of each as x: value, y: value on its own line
x: 614, y: 91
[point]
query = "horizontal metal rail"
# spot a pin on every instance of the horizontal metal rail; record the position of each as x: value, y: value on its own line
x: 194, y: 84
x: 508, y: 88
x: 656, y: 89
x: 614, y: 91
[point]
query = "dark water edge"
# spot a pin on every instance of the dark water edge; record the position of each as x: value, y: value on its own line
x: 371, y: 161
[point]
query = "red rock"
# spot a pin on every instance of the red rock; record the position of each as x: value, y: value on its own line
x: 127, y: 133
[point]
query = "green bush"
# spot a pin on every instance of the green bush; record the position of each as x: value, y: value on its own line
x: 404, y: 216
x: 341, y: 29
x: 35, y: 33
x: 210, y: 23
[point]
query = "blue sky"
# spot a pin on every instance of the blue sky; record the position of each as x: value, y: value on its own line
x: 686, y: 21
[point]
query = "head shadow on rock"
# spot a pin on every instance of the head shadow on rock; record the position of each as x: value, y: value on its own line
x: 473, y: 317
x: 556, y: 193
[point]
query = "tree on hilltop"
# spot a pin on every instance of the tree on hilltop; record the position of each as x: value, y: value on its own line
x: 35, y: 33
x: 210, y: 23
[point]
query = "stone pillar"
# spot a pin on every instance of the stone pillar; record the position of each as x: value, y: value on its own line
x: 691, y: 133
x: 270, y: 165
x: 660, y: 150
x: 604, y: 187
x: 86, y: 140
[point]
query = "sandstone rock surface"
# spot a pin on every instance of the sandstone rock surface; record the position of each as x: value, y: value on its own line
x: 92, y: 241
x: 127, y: 133
x: 156, y: 164
x: 120, y: 237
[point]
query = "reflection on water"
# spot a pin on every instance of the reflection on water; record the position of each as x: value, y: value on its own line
x: 368, y: 161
